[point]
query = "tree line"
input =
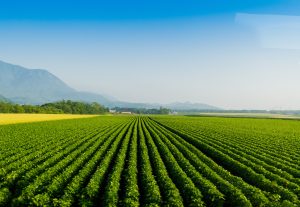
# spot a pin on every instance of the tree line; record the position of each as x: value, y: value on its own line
x: 60, y: 107
x: 161, y: 110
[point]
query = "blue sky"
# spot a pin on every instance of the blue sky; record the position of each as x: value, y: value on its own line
x: 238, y: 55
x: 130, y: 10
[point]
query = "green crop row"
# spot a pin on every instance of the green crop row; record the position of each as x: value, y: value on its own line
x: 151, y: 161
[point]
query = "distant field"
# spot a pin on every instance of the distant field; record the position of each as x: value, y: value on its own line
x: 151, y: 161
x: 23, y: 118
x: 258, y: 115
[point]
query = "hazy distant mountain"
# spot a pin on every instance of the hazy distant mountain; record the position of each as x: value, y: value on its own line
x: 3, y: 99
x: 188, y: 106
x: 177, y: 106
x: 37, y: 86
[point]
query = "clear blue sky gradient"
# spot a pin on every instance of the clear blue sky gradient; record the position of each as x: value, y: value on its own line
x: 232, y: 54
x: 130, y: 10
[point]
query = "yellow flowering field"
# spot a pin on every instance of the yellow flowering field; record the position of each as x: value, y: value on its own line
x: 24, y: 118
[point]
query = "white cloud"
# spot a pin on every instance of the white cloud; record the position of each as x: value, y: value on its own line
x: 274, y: 31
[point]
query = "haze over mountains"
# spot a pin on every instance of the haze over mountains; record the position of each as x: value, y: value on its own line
x: 38, y: 86
x: 3, y: 99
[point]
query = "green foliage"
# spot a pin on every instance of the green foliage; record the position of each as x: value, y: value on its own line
x: 150, y: 161
x: 66, y: 107
x: 131, y: 191
x: 161, y: 110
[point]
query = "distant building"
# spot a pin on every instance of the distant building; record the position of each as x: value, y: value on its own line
x: 112, y: 111
x: 173, y: 113
x: 126, y: 112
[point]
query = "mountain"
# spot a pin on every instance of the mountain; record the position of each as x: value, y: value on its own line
x: 3, y: 99
x: 38, y: 86
x: 188, y: 106
x: 177, y: 106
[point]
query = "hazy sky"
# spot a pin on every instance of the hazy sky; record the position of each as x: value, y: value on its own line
x: 239, y: 55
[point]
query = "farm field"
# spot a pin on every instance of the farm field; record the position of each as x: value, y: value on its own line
x: 25, y: 118
x: 251, y: 115
x: 151, y: 161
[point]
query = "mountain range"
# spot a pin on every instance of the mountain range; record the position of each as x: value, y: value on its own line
x: 3, y: 99
x: 38, y: 86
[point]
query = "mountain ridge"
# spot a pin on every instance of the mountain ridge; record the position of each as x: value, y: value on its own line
x: 3, y: 99
x: 38, y: 86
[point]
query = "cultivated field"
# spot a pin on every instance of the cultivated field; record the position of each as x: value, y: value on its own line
x: 251, y: 115
x: 151, y: 161
x: 24, y: 118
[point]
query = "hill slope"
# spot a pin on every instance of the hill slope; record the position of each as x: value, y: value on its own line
x: 36, y: 86
x: 190, y: 106
x: 3, y: 99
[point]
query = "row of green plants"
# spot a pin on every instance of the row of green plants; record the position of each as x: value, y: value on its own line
x: 277, y: 138
x: 241, y: 155
x: 91, y: 193
x: 252, y: 142
x: 43, y: 170
x: 140, y: 161
x: 277, y: 188
x: 251, y: 159
x: 71, y: 193
x: 233, y: 187
x: 192, y: 196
